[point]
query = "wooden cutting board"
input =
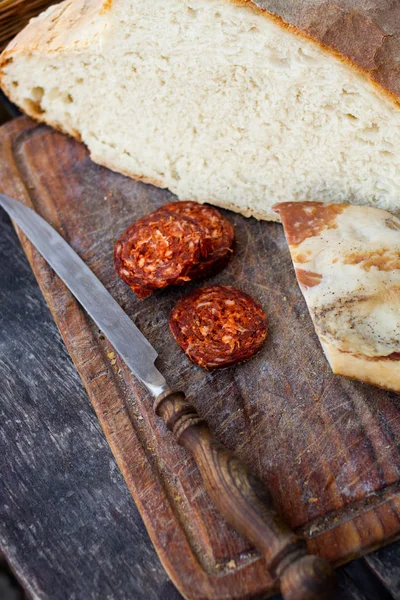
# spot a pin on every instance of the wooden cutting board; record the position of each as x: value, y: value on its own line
x: 327, y: 448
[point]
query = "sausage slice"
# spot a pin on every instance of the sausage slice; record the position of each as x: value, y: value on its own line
x: 217, y: 228
x: 159, y: 250
x: 219, y: 325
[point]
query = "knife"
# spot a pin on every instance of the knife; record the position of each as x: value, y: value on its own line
x: 239, y: 496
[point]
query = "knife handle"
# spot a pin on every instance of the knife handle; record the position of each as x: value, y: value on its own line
x: 245, y: 503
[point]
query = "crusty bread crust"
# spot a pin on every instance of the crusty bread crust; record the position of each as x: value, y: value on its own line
x: 109, y: 165
x: 363, y: 39
x: 37, y: 117
x: 361, y: 50
x: 272, y: 216
x: 69, y: 25
x: 367, y: 39
x: 366, y: 35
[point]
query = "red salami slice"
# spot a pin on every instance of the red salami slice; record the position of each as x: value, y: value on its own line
x: 218, y: 229
x: 219, y: 325
x: 159, y: 250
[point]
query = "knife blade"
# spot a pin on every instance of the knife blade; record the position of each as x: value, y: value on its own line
x: 238, y: 495
x: 128, y: 341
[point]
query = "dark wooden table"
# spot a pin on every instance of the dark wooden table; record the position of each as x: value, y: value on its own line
x: 68, y: 526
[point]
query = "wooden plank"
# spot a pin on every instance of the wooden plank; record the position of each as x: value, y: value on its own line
x: 124, y: 560
x: 68, y: 525
x: 385, y: 565
x: 363, y: 581
x: 348, y: 589
x: 326, y: 447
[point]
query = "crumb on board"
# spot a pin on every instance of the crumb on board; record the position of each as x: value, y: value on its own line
x: 231, y: 564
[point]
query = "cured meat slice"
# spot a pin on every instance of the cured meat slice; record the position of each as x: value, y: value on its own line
x: 218, y: 325
x: 218, y: 229
x: 159, y: 250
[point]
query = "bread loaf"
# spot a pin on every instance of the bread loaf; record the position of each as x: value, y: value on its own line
x: 223, y: 101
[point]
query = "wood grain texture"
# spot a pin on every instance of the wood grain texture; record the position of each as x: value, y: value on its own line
x: 106, y: 554
x: 68, y: 525
x: 385, y: 566
x: 250, y: 507
x: 244, y: 502
x: 327, y: 448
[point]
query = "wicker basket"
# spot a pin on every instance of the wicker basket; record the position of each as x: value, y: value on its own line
x: 15, y: 14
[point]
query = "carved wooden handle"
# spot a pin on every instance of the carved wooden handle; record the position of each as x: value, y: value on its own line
x: 245, y: 503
